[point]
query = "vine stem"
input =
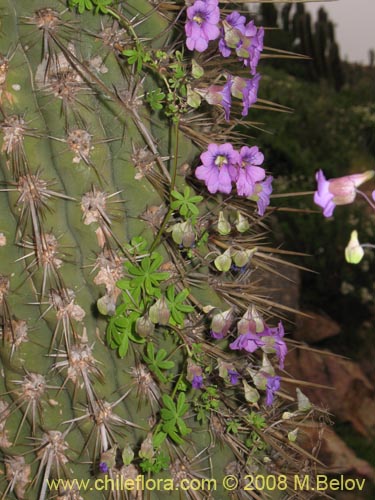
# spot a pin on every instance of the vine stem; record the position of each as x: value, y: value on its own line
x: 158, y: 236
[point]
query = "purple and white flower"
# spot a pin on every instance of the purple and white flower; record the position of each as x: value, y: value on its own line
x: 219, y: 168
x: 202, y: 25
x: 262, y: 194
x: 249, y: 172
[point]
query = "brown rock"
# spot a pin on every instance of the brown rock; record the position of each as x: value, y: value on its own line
x: 315, y: 327
x: 337, y: 457
x: 350, y: 395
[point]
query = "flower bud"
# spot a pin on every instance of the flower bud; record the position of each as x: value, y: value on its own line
x: 354, y: 252
x: 177, y: 233
x: 292, y: 435
x: 251, y: 394
x: 159, y: 312
x: 257, y: 317
x: 196, y: 70
x: 108, y: 458
x: 232, y: 35
x: 144, y: 326
x: 223, y: 225
x: 240, y: 258
x: 127, y: 455
x: 251, y: 321
x: 147, y: 449
x: 106, y: 305
x: 194, y: 374
x: 188, y: 234
x: 223, y: 261
x: 242, y: 224
x: 193, y: 98
x: 260, y: 380
x: 220, y: 324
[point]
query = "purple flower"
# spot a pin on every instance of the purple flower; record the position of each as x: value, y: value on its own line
x: 254, y: 50
x: 216, y: 94
x: 250, y: 93
x: 201, y: 26
x: 339, y: 191
x: 273, y: 385
x: 103, y: 467
x: 323, y: 197
x: 273, y: 339
x: 197, y: 382
x: 219, y: 168
x: 233, y: 376
x: 233, y: 28
x: 262, y: 194
x: 249, y: 172
x: 249, y: 342
x: 247, y: 90
x: 220, y: 324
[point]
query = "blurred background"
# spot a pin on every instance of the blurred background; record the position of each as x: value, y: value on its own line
x: 329, y: 124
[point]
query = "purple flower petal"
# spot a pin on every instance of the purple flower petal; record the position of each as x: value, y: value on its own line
x: 233, y: 376
x: 197, y: 382
x: 273, y: 385
x: 322, y: 196
x: 103, y: 467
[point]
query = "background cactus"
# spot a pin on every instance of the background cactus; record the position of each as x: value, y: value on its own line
x: 100, y: 379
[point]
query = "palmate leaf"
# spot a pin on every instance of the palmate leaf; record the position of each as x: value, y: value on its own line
x: 145, y: 277
x: 185, y: 204
x: 176, y: 305
x: 158, y: 362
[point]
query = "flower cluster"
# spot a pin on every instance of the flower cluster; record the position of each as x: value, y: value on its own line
x: 244, y: 38
x: 270, y: 340
x: 202, y: 26
x: 223, y: 166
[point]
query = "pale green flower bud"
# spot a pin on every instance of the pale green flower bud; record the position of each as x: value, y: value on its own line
x: 196, y: 70
x: 177, y: 233
x: 251, y: 394
x: 147, y: 449
x: 354, y: 252
x: 224, y: 261
x: 292, y: 435
x: 127, y: 455
x: 193, y: 98
x: 242, y: 224
x: 223, y: 225
x: 241, y: 258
